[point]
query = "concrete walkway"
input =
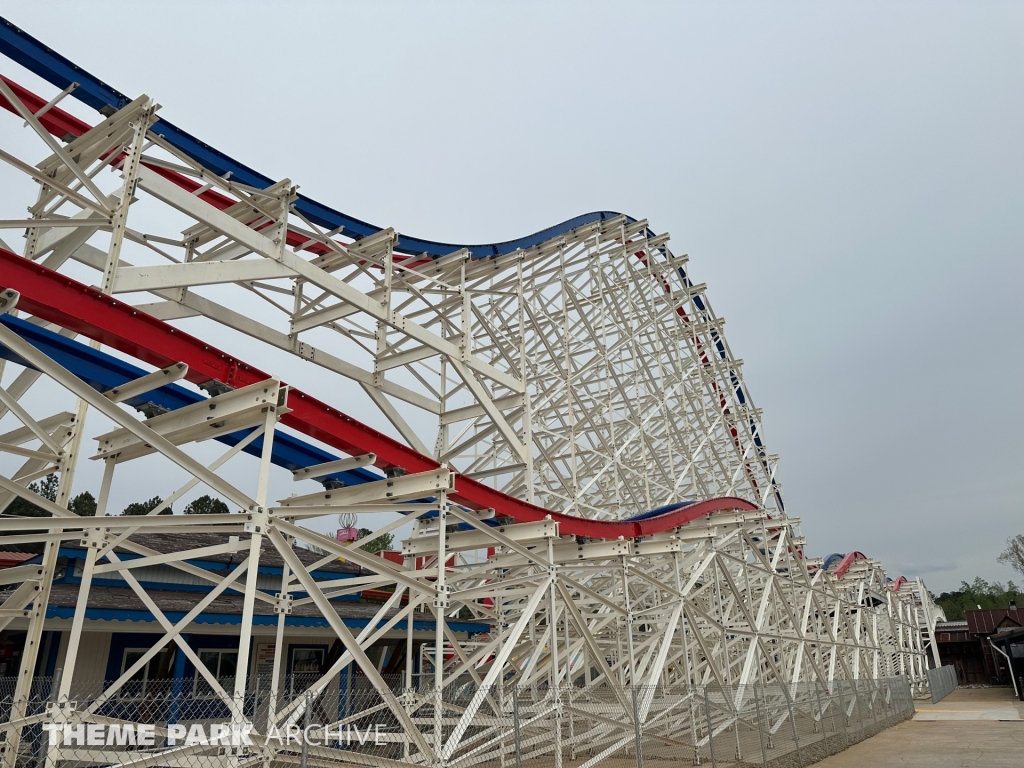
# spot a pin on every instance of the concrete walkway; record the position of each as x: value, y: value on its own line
x: 971, y: 727
x: 973, y: 704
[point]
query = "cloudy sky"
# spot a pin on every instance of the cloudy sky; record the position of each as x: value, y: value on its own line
x: 847, y: 178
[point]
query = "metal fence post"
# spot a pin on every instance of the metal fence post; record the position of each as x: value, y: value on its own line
x: 55, y: 683
x: 636, y: 731
x: 860, y: 708
x: 255, y: 700
x: 821, y: 712
x: 53, y: 696
x: 760, y: 732
x: 515, y: 726
x: 818, y: 721
x: 691, y: 693
x: 792, y: 717
x: 305, y: 731
x: 842, y: 708
x: 711, y: 734
x: 855, y: 706
x: 572, y: 722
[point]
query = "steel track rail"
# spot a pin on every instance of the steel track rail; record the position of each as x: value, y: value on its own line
x: 65, y: 125
x: 32, y: 54
x: 70, y: 304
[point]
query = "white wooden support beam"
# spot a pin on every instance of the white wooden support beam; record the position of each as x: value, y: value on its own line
x: 649, y: 547
x: 480, y: 539
x: 349, y: 642
x: 147, y: 383
x: 59, y: 151
x: 501, y: 539
x: 483, y: 397
x: 165, y: 276
x: 594, y: 550
x: 37, y: 430
x: 20, y: 573
x: 392, y: 414
x: 225, y: 413
x: 419, y: 485
x: 176, y: 197
x: 172, y: 557
x: 321, y: 471
x: 111, y: 411
x: 191, y: 305
x: 8, y: 300
x: 173, y: 195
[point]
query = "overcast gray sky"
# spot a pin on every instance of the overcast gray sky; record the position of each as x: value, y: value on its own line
x: 847, y: 178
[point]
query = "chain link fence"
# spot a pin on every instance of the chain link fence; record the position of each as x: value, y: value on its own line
x: 307, y: 722
x: 942, y: 681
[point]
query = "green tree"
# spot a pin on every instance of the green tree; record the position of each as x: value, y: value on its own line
x: 978, y: 593
x: 206, y: 505
x: 144, y: 507
x: 1013, y: 555
x: 380, y: 544
x: 47, y: 488
x: 83, y: 505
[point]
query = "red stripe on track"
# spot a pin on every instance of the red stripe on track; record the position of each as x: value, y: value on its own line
x: 61, y: 124
x: 56, y: 120
x: 846, y: 562
x: 70, y: 304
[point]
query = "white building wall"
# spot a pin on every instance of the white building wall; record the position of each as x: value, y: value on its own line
x: 91, y: 664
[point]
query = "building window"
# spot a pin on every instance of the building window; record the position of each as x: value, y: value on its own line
x: 222, y: 665
x: 307, y: 660
x: 144, y: 681
x: 306, y: 663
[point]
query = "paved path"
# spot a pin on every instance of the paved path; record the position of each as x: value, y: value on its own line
x: 972, y: 727
x: 973, y: 704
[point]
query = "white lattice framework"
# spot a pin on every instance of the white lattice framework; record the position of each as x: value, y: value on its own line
x: 587, y: 375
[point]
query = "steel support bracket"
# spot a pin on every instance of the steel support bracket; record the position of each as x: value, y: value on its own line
x: 257, y: 521
x: 442, y: 598
x: 94, y: 538
x: 284, y: 603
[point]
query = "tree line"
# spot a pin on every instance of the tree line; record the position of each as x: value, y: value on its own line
x: 983, y: 594
x: 84, y: 504
x: 976, y: 594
